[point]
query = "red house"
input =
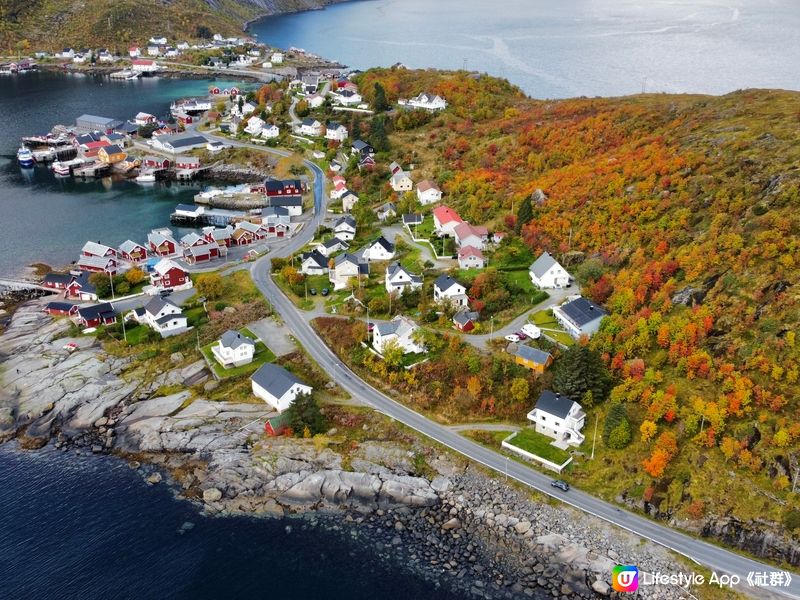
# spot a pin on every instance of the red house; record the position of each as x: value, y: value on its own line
x: 156, y: 162
x: 61, y: 309
x: 202, y: 253
x: 167, y: 274
x: 246, y: 233
x: 57, y: 281
x: 79, y: 288
x: 162, y: 243
x: 97, y: 249
x: 286, y: 187
x: 93, y: 316
x: 132, y: 252
x: 187, y: 162
x: 221, y: 237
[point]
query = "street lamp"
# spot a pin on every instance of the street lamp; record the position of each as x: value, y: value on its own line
x: 491, y: 328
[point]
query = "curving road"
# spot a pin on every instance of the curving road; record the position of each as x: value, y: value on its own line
x: 715, y: 558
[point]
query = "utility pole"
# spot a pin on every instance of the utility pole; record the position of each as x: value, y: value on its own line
x: 491, y: 328
x: 794, y: 483
x: 702, y: 423
x: 594, y: 438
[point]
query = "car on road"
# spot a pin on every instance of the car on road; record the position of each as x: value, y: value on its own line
x: 532, y: 331
x: 325, y: 291
x: 370, y: 326
x: 313, y: 291
x: 512, y: 337
x: 560, y: 484
x: 70, y: 347
x: 165, y: 293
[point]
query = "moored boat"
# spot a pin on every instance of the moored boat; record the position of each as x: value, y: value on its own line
x: 146, y: 177
x: 25, y: 157
x: 60, y: 168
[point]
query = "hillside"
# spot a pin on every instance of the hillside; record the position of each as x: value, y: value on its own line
x: 680, y: 215
x: 53, y: 24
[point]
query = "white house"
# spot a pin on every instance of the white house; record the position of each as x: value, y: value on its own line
x: 445, y: 220
x: 162, y: 316
x: 349, y: 201
x: 546, y: 272
x: 428, y: 192
x: 315, y: 100
x: 559, y: 418
x: 276, y: 58
x: 153, y: 50
x: 401, y: 181
x: 379, y: 249
x: 399, y: 330
x: 134, y: 52
x: 470, y: 257
x: 311, y: 126
x: 313, y: 263
x: 336, y: 132
x: 347, y: 97
x: 270, y: 132
x: 339, y: 190
x: 233, y: 349
x: 345, y: 267
x: 471, y: 235
x: 332, y: 246
x: 427, y: 101
x: 579, y: 316
x: 277, y: 387
x: 144, y: 65
x: 386, y: 211
x: 447, y: 290
x: 143, y: 118
x: 345, y: 228
x: 158, y: 41
x: 67, y: 53
x: 254, y: 125
x: 398, y: 280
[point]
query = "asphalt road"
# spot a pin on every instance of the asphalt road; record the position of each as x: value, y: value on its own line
x: 713, y: 557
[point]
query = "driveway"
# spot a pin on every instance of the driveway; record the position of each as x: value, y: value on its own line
x: 274, y: 334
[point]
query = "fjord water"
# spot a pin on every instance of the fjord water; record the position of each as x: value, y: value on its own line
x: 89, y: 528
x: 565, y: 48
x: 46, y: 218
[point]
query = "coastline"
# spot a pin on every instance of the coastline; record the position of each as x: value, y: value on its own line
x: 448, y: 518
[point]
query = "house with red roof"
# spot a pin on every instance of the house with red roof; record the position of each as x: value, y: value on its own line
x: 471, y: 235
x: 445, y: 220
x: 470, y: 257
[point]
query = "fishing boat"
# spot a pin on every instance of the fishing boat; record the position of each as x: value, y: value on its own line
x: 25, y: 157
x: 61, y: 169
x: 146, y: 177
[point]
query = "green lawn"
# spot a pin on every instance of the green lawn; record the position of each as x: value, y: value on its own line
x: 551, y: 328
x: 540, y: 445
x: 136, y: 334
x: 262, y: 355
x: 544, y: 318
x: 424, y: 230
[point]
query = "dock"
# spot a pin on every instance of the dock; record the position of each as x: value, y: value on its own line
x: 126, y: 74
x: 217, y: 217
x: 94, y: 169
x: 187, y: 174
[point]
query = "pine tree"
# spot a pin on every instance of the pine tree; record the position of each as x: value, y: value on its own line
x: 524, y: 213
x: 581, y: 370
x: 617, y: 427
x: 379, y: 98
x: 377, y: 137
x: 304, y: 414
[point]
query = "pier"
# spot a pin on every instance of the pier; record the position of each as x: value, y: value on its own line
x: 210, y: 216
x: 95, y: 169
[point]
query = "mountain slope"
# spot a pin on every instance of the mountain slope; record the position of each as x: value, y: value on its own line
x: 51, y: 24
x: 680, y: 215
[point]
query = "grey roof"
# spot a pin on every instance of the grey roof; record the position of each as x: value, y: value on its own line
x: 335, y: 241
x: 551, y: 403
x: 581, y: 311
x: 386, y: 244
x: 387, y: 328
x: 112, y: 149
x: 95, y: 120
x: 58, y: 278
x: 363, y: 267
x: 285, y: 201
x: 187, y: 207
x: 185, y: 141
x: 129, y: 246
x: 170, y: 317
x: 278, y: 211
x: 386, y: 207
x: 396, y: 268
x: 156, y: 304
x: 412, y: 219
x: 465, y: 316
x: 276, y: 380
x: 445, y: 282
x: 533, y: 354
x: 542, y: 264
x: 60, y: 306
x: 233, y: 339
x: 346, y: 220
x: 317, y: 257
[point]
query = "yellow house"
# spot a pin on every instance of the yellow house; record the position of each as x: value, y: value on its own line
x: 533, y: 358
x: 111, y: 154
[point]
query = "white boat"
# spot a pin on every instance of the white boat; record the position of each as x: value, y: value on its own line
x: 25, y: 157
x: 146, y: 177
x: 61, y: 169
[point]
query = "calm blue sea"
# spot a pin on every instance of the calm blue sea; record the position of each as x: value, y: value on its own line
x: 564, y: 48
x: 89, y: 528
x: 45, y: 218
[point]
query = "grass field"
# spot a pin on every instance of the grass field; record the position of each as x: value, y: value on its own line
x: 540, y: 445
x: 545, y: 320
x: 262, y: 355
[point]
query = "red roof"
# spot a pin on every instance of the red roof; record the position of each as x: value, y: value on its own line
x: 470, y: 251
x: 464, y: 230
x: 93, y: 145
x: 445, y: 214
x: 142, y: 62
x: 133, y: 48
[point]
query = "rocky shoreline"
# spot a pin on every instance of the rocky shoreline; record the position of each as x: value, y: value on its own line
x: 454, y: 525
